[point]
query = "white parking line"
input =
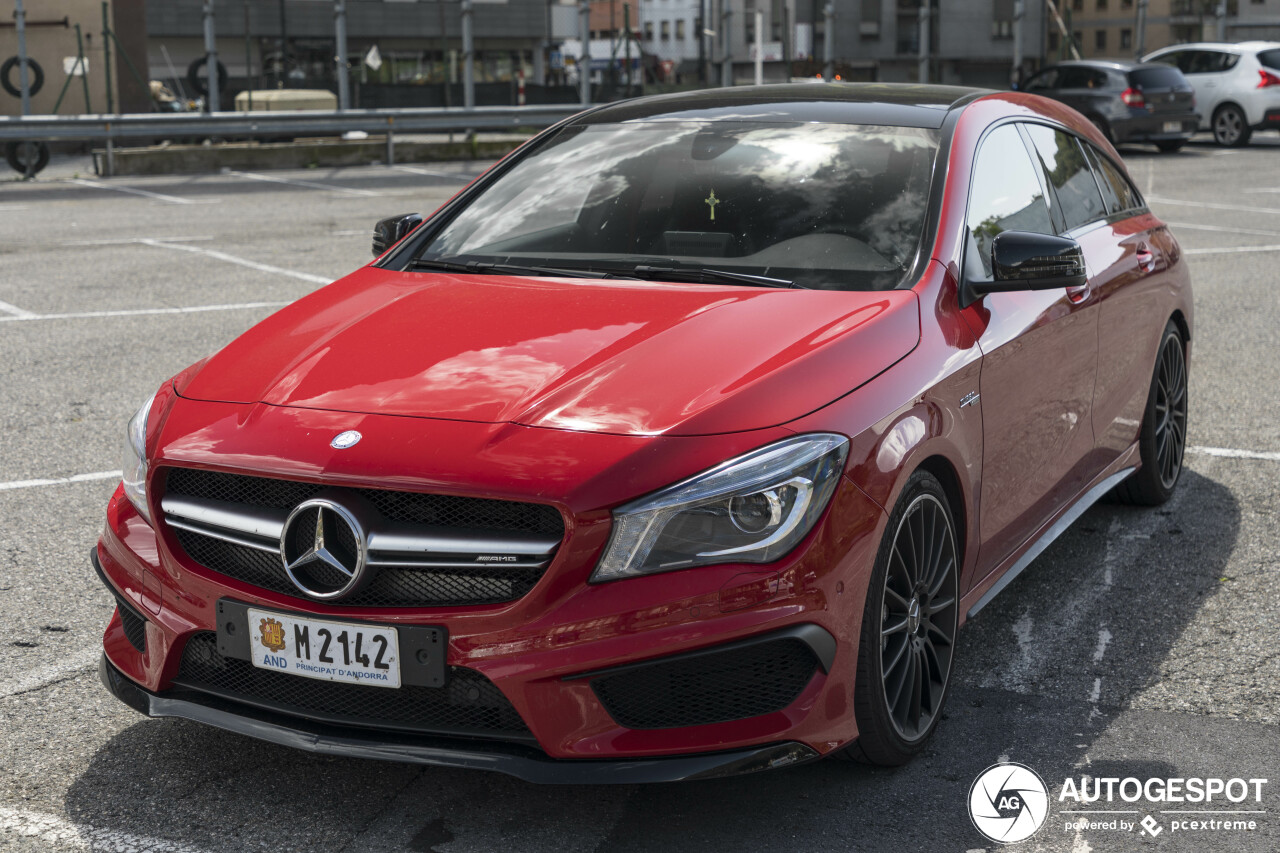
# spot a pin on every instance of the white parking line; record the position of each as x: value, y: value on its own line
x: 309, y: 184
x: 8, y: 207
x: 142, y: 312
x: 1212, y: 205
x: 167, y: 199
x: 1232, y: 250
x: 15, y: 310
x: 1232, y: 453
x: 48, y: 830
x: 233, y: 259
x: 71, y: 666
x: 1197, y: 227
x: 434, y: 174
x: 58, y: 481
x: 129, y: 241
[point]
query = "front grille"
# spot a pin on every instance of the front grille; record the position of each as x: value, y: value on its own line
x: 712, y: 687
x: 135, y: 627
x: 389, y: 586
x: 469, y: 704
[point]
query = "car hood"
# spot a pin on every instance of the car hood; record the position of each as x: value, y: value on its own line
x: 628, y: 357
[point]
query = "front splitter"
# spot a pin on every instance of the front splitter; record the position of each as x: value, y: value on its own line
x: 522, y: 762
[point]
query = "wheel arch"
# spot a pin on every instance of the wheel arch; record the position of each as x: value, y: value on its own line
x: 945, y: 473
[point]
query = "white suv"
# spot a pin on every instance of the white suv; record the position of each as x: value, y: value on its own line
x: 1237, y: 85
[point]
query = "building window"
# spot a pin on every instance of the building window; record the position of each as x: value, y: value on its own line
x: 1102, y: 4
x: 1077, y: 5
x: 680, y: 29
x: 1053, y: 39
x: 1126, y: 4
x: 666, y: 30
x: 1100, y: 39
x: 1002, y: 19
x: 648, y: 30
x: 1126, y: 38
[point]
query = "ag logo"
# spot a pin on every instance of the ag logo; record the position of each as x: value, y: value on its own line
x: 1008, y: 802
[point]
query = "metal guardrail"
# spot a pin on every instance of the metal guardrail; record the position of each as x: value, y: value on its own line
x: 156, y: 126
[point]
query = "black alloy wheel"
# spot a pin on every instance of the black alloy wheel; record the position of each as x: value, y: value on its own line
x: 1163, y: 438
x: 909, y: 628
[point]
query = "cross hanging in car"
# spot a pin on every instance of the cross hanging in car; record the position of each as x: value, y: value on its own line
x: 712, y: 201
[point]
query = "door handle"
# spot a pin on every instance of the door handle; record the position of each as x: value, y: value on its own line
x: 1146, y: 259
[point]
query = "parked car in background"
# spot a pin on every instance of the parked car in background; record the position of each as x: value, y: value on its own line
x: 1237, y: 85
x: 1127, y: 101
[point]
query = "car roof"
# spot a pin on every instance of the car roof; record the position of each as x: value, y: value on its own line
x: 1229, y: 47
x: 897, y: 104
x: 1111, y: 64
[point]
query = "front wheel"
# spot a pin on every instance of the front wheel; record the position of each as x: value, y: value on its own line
x: 909, y: 627
x: 1163, y: 438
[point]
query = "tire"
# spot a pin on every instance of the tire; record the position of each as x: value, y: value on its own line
x: 1163, y: 439
x: 898, y: 708
x: 197, y: 82
x: 14, y: 87
x: 14, y: 152
x: 1230, y: 127
x: 1171, y: 147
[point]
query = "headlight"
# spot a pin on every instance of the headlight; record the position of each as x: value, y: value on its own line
x: 752, y: 509
x: 135, y: 460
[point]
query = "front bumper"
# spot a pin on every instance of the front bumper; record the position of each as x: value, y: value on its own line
x: 525, y: 763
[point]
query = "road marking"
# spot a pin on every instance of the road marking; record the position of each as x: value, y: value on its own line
x: 1232, y: 453
x: 74, y: 664
x: 6, y: 207
x: 234, y: 259
x: 1104, y: 637
x: 15, y: 310
x: 142, y: 312
x: 1233, y: 250
x: 1213, y: 205
x: 50, y: 829
x: 457, y: 176
x: 127, y: 241
x: 254, y: 176
x: 1193, y: 226
x: 59, y: 481
x: 167, y: 199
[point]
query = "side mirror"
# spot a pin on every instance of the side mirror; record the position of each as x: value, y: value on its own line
x: 1022, y: 260
x: 392, y: 230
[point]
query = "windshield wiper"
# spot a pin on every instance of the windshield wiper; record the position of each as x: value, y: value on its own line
x: 486, y: 267
x: 710, y: 276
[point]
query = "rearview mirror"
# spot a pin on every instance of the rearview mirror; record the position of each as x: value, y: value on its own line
x: 392, y: 230
x: 1022, y: 260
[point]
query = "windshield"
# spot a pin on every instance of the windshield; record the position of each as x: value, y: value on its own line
x: 829, y: 206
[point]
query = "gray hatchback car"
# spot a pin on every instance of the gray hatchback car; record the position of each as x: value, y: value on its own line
x: 1128, y: 101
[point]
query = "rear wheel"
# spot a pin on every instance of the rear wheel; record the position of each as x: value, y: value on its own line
x: 1171, y: 146
x: 1230, y: 127
x: 908, y: 628
x: 1164, y: 427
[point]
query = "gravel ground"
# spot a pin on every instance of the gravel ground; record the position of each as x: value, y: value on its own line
x: 1143, y: 643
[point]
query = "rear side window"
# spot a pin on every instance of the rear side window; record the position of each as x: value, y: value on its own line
x: 1209, y: 62
x: 1044, y: 80
x: 1080, y: 77
x: 1156, y: 77
x: 1270, y: 59
x: 1114, y: 183
x: 1069, y: 172
x: 1004, y: 195
x: 1179, y: 58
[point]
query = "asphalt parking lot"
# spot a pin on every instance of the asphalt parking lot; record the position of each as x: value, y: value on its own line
x: 1142, y: 643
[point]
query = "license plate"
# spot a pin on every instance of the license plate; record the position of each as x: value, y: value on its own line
x: 347, y: 652
x: 1172, y: 126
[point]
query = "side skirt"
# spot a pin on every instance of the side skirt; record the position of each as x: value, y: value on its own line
x: 1077, y: 509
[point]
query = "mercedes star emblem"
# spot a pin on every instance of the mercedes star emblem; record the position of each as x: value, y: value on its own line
x: 318, y: 559
x: 343, y: 440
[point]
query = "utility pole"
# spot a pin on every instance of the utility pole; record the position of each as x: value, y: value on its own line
x: 704, y: 70
x: 1221, y: 14
x: 106, y: 54
x: 1018, y: 11
x: 1140, y: 28
x: 211, y: 57
x: 468, y: 58
x: 340, y: 25
x: 248, y: 58
x: 829, y: 41
x: 922, y: 72
x: 584, y: 60
x: 626, y: 34
x: 444, y: 59
x: 759, y: 47
x: 24, y: 83
x: 284, y: 50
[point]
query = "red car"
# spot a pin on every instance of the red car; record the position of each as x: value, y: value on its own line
x: 679, y: 444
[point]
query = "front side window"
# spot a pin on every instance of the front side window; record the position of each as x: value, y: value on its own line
x: 1068, y: 170
x: 831, y: 206
x: 1109, y: 176
x: 1004, y: 195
